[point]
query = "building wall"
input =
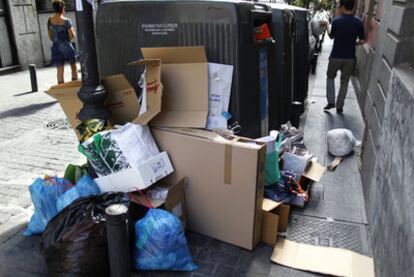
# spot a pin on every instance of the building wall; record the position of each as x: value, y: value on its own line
x: 385, y: 61
x: 26, y: 31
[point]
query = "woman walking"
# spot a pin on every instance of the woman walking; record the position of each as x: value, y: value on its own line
x: 61, y: 33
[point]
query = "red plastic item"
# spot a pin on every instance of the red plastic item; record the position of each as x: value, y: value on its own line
x: 262, y: 32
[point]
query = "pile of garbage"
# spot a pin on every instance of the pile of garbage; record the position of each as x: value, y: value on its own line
x: 166, y: 162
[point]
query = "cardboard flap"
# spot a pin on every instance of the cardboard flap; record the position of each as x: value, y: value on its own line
x: 146, y: 62
x: 65, y: 90
x: 171, y: 200
x: 326, y: 260
x: 71, y: 84
x: 269, y: 205
x: 314, y: 171
x: 209, y: 135
x: 116, y: 83
x: 170, y: 55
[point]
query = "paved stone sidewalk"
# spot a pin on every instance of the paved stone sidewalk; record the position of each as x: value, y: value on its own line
x: 27, y: 147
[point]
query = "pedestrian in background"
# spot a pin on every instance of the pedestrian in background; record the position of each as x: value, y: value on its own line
x: 61, y: 33
x: 347, y: 31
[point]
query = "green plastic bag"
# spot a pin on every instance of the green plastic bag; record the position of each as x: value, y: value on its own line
x: 74, y: 172
x: 272, y: 170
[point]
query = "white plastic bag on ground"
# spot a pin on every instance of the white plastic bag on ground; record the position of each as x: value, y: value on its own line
x: 341, y: 142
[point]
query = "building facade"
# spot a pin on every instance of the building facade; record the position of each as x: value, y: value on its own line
x: 385, y: 92
x: 23, y: 31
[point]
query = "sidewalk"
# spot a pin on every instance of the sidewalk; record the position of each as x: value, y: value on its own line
x: 335, y: 215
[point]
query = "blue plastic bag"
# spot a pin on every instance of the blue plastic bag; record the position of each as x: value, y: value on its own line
x: 44, y: 194
x: 160, y: 243
x: 86, y: 186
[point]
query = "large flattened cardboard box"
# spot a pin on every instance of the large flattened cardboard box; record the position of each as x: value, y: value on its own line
x: 184, y: 74
x: 122, y: 100
x: 225, y: 182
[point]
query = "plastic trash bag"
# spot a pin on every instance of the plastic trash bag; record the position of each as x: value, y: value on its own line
x: 74, y: 242
x: 111, y: 151
x: 160, y: 243
x: 45, y: 193
x: 86, y: 186
x: 271, y: 166
x: 341, y: 142
x: 74, y: 172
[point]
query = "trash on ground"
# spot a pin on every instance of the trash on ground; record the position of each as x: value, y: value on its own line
x: 161, y: 244
x: 334, y: 164
x: 272, y: 169
x: 275, y: 219
x: 340, y: 141
x: 126, y: 159
x: 122, y: 100
x: 298, y: 169
x: 85, y: 186
x: 45, y: 194
x: 173, y: 198
x: 325, y: 260
x: 224, y: 185
x: 74, y: 242
x: 74, y: 172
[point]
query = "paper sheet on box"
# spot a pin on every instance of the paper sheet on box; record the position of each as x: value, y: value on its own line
x: 326, y: 260
x: 219, y: 82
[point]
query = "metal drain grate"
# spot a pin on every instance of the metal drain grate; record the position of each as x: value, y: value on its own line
x: 322, y: 232
x: 58, y: 124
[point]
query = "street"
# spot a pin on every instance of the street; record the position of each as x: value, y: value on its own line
x: 35, y: 141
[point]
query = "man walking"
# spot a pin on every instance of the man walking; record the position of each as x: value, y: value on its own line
x: 345, y: 31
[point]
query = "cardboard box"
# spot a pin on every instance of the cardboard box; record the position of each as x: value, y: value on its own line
x: 152, y: 90
x: 275, y: 219
x: 184, y: 75
x: 325, y: 260
x: 225, y: 182
x: 131, y: 179
x: 122, y: 100
x: 174, y: 203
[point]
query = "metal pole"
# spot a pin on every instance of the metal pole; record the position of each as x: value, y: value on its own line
x: 92, y: 94
x: 33, y: 78
x: 118, y: 240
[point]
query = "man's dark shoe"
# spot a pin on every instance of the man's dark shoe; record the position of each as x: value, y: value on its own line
x: 328, y: 107
x: 339, y: 110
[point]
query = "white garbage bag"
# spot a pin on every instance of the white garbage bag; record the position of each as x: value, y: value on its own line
x: 341, y: 142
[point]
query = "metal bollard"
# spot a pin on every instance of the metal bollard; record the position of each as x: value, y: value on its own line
x: 33, y: 78
x: 118, y: 240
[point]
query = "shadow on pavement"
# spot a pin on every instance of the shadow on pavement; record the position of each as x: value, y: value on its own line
x: 26, y: 110
x: 24, y: 93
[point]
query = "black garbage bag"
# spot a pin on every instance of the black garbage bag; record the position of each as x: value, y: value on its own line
x: 74, y: 242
